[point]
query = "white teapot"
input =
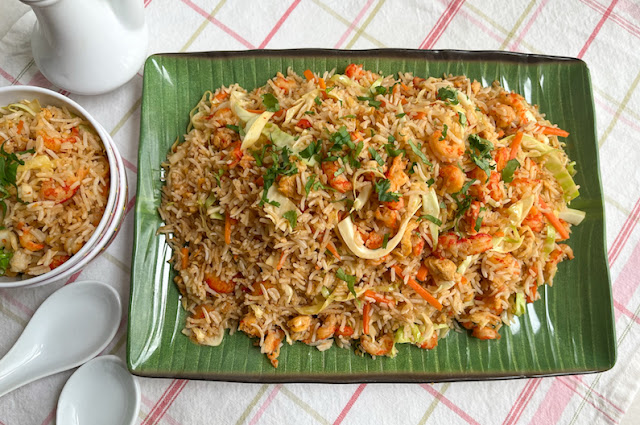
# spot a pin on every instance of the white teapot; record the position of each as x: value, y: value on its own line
x: 88, y: 46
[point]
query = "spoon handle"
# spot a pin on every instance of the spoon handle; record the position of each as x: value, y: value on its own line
x: 19, y: 367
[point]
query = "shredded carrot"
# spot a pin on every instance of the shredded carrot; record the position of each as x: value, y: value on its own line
x: 379, y: 298
x: 221, y: 96
x: 419, y: 115
x: 404, y: 86
x: 515, y: 145
x: 227, y: 228
x: 366, y: 317
x: 403, y: 101
x: 321, y: 83
x: 255, y: 111
x: 20, y: 124
x: 283, y: 258
x: 332, y: 249
x: 356, y: 135
x: 280, y: 112
x: 555, y: 221
x: 346, y: 331
x: 396, y: 88
x: 422, y: 273
x: 308, y: 75
x: 184, y: 261
x: 419, y: 289
x: 554, y: 131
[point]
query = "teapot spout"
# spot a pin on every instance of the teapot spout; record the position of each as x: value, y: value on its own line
x: 129, y: 12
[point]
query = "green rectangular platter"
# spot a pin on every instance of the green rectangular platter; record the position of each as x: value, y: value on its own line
x: 570, y: 330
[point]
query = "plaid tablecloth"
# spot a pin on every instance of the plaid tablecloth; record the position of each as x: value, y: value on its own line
x: 604, y: 33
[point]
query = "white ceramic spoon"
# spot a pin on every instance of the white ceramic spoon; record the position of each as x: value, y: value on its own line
x: 101, y: 392
x: 71, y: 327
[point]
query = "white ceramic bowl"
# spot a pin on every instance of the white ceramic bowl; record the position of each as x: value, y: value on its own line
x: 109, y: 224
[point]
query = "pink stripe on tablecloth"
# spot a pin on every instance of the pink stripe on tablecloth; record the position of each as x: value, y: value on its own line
x: 146, y: 3
x: 39, y: 80
x: 454, y: 408
x: 49, y: 418
x: 353, y: 24
x: 8, y: 77
x: 480, y: 25
x: 514, y: 46
x: 627, y: 282
x: 554, y: 404
x: 219, y: 24
x: 572, y: 388
x: 130, y: 165
x: 521, y: 402
x: 578, y: 380
x: 165, y: 400
x: 130, y: 204
x: 597, y: 29
x: 73, y: 277
x: 349, y: 404
x: 604, y: 105
x: 441, y: 25
x: 625, y: 232
x: 629, y: 26
x: 278, y: 24
x: 266, y: 404
x: 23, y: 308
x: 619, y: 308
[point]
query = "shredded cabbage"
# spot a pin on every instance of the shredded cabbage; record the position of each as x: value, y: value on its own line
x: 362, y: 198
x: 30, y: 107
x: 344, y: 80
x: 431, y: 206
x: 276, y: 213
x: 572, y: 216
x: 559, y: 171
x: 254, y: 128
x: 549, y: 242
x: 509, y: 242
x: 520, y: 306
x: 305, y: 102
x: 38, y: 162
x: 519, y: 210
x: 346, y: 230
x: 462, y: 268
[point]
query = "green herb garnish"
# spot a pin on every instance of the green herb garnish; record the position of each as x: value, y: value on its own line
x: 5, y: 258
x: 445, y: 128
x: 480, y: 153
x: 385, y: 241
x: 462, y: 118
x: 448, y: 95
x: 382, y: 189
x: 292, y: 218
x: 351, y: 280
x: 418, y: 151
x: 431, y: 218
x: 270, y: 102
x: 509, y: 169
x: 375, y: 155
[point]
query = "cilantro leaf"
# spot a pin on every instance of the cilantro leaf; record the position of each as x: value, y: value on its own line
x: 351, y: 280
x: 385, y: 241
x: 292, y: 218
x: 448, y: 94
x: 311, y: 150
x: 479, y: 220
x: 400, y: 115
x: 462, y: 118
x: 418, y: 151
x: 431, y: 218
x: 5, y: 257
x: 270, y: 102
x: 375, y: 155
x: 382, y: 189
x: 236, y: 128
x: 309, y: 184
x: 480, y: 153
x: 317, y: 100
x: 309, y: 112
x: 391, y: 149
x: 372, y: 102
x: 445, y: 128
x: 509, y: 169
x: 341, y: 138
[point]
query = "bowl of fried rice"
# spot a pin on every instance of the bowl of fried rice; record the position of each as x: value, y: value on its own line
x: 62, y: 187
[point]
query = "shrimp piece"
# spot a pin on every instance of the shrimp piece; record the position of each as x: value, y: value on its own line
x: 445, y: 150
x: 222, y: 117
x: 354, y: 71
x: 58, y: 260
x: 287, y: 185
x: 441, y: 268
x: 53, y: 191
x: 430, y: 343
x: 494, y: 187
x: 27, y: 240
x: 271, y: 346
x: 256, y: 288
x: 559, y: 254
x: 475, y: 244
x: 202, y: 310
x: 534, y: 220
x: 339, y: 182
x: 387, y: 216
x: 284, y: 84
x: 299, y: 323
x: 382, y: 347
x: 406, y: 244
x: 396, y: 174
x: 249, y: 325
x: 218, y: 285
x: 224, y: 137
x: 485, y: 333
x: 328, y: 327
x: 374, y: 241
x: 478, y: 174
x: 453, y: 178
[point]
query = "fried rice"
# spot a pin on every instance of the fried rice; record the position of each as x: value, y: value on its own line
x: 54, y: 185
x: 364, y: 210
